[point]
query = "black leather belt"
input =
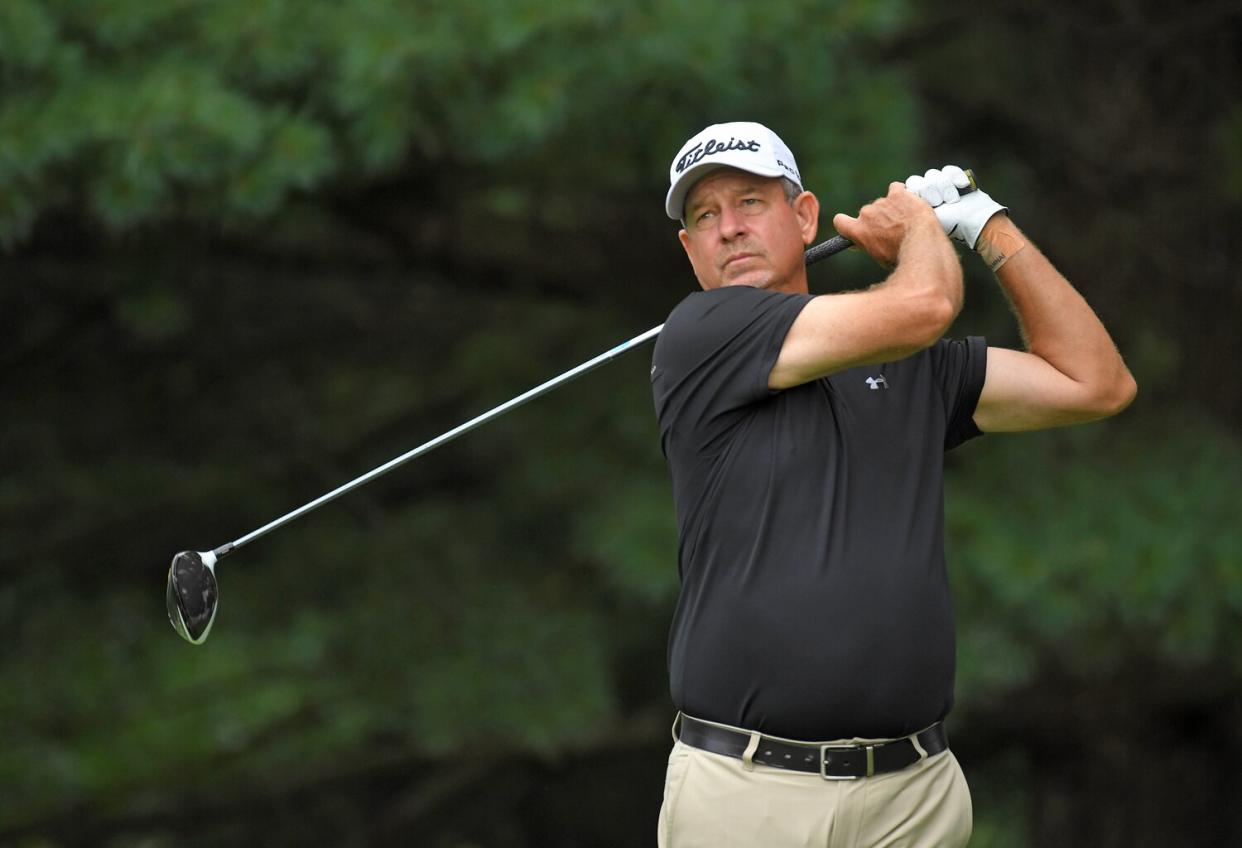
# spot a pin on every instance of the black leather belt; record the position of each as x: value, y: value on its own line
x: 832, y: 762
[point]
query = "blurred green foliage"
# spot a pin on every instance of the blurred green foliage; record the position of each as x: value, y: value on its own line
x: 224, y: 111
x: 1085, y: 548
x: 255, y: 248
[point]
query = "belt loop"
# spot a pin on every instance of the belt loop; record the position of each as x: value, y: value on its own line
x: 918, y: 746
x: 748, y: 756
x: 673, y: 729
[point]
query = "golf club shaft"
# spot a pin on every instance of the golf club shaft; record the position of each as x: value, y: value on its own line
x: 832, y: 246
x: 542, y: 388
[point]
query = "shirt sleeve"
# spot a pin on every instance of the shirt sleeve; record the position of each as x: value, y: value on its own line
x: 714, y: 357
x: 960, y: 366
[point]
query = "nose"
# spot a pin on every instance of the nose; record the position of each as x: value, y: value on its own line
x: 732, y: 224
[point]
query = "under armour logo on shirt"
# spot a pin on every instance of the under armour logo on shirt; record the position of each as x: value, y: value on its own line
x: 877, y: 382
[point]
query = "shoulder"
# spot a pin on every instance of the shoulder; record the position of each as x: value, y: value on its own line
x: 707, y: 322
x: 700, y: 304
x: 957, y: 359
x: 731, y: 305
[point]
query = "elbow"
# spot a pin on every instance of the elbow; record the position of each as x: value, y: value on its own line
x: 929, y: 299
x: 1118, y: 395
x: 936, y: 316
x: 1124, y: 392
x: 944, y: 312
x: 943, y: 301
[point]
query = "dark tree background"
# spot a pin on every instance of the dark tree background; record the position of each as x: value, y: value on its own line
x: 251, y: 250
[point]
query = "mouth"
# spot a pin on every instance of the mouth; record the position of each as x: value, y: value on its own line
x: 737, y: 257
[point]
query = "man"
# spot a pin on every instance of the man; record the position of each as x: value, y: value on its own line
x: 811, y: 656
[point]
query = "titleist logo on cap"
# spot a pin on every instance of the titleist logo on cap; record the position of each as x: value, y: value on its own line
x: 700, y: 150
x: 742, y: 145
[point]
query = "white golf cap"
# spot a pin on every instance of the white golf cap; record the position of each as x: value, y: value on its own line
x: 744, y: 145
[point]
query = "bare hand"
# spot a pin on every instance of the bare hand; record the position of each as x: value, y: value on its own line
x: 883, y: 225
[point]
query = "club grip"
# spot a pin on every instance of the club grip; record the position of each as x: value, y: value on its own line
x: 836, y: 244
x: 824, y: 249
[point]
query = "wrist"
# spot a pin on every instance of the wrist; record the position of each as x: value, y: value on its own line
x: 999, y: 241
x: 922, y: 231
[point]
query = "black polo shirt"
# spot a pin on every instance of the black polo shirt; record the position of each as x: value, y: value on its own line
x: 814, y: 601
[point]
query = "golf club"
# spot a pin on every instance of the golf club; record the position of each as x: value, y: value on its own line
x: 191, y: 595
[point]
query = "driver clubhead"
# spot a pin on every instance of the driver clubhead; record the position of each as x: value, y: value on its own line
x: 191, y: 595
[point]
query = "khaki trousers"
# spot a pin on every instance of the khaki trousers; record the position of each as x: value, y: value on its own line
x: 716, y: 801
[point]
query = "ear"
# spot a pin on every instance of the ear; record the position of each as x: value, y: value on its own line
x: 806, y: 207
x: 684, y: 238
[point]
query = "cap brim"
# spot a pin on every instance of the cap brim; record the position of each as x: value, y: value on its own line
x: 675, y: 200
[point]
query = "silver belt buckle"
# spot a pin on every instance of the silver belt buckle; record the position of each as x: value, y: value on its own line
x: 823, y: 761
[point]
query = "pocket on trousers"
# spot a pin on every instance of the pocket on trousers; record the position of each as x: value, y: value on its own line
x: 674, y: 777
x: 963, y: 803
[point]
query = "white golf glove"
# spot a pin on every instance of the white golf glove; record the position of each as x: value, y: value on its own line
x: 961, y: 215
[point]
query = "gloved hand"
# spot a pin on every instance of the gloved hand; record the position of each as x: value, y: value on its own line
x: 961, y: 215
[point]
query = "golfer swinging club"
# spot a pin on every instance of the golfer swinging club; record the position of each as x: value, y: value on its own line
x: 811, y: 655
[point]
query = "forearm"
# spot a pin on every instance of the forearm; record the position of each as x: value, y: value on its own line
x: 907, y: 312
x: 915, y: 305
x: 1057, y: 323
x: 927, y: 260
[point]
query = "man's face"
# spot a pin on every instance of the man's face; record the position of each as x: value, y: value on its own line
x: 741, y: 231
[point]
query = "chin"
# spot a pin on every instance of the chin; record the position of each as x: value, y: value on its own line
x: 759, y: 278
x: 755, y: 281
